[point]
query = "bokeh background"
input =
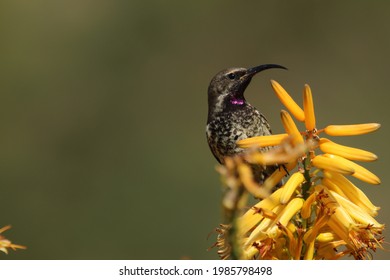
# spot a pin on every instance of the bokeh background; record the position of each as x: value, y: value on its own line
x: 103, y: 107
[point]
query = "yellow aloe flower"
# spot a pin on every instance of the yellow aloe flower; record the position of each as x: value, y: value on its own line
x: 318, y: 213
x: 287, y: 101
x: 5, y: 243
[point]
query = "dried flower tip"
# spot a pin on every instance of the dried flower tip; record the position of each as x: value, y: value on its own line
x: 224, y: 248
x: 339, y: 221
x: 332, y: 164
x: 268, y: 214
x: 290, y: 127
x: 292, y: 184
x: 262, y: 141
x: 350, y: 130
x: 350, y: 153
x: 308, y: 107
x: 270, y: 229
x: 360, y: 172
x: 287, y: 101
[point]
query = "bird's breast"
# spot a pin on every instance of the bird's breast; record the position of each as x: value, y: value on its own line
x: 224, y: 130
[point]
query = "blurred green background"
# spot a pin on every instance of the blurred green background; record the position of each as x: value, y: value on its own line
x: 103, y: 107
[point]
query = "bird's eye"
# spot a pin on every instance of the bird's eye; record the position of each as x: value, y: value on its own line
x: 231, y: 76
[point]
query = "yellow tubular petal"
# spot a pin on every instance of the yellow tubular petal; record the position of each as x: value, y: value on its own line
x: 267, y: 158
x: 268, y: 214
x: 332, y: 164
x: 360, y: 172
x: 308, y: 107
x: 352, y: 129
x: 291, y: 238
x: 253, y: 217
x: 278, y: 175
x: 292, y: 227
x: 262, y: 141
x: 306, y: 208
x: 247, y: 179
x: 290, y: 210
x: 355, y: 211
x: 309, y: 251
x: 285, y: 216
x: 288, y: 189
x: 340, y: 221
x: 326, y: 237
x: 308, y: 234
x: 3, y: 249
x: 250, y: 252
x: 287, y: 101
x: 350, y: 153
x: 312, y: 233
x: 333, y: 187
x: 7, y: 227
x: 353, y: 193
x: 339, y: 228
x: 259, y: 233
x: 290, y: 127
x: 298, y: 249
x: 328, y: 250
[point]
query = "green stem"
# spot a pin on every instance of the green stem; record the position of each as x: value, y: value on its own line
x: 306, y: 186
x: 305, y: 192
x: 231, y: 216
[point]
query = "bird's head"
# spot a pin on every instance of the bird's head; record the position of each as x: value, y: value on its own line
x: 226, y: 89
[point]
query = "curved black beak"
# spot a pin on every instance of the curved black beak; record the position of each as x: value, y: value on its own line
x: 254, y: 70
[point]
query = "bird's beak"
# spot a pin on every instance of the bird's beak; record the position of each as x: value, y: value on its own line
x: 254, y: 70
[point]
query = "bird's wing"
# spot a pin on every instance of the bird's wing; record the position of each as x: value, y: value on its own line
x: 265, y: 122
x: 212, y: 150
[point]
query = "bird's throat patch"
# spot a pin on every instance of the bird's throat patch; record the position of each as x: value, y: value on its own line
x: 237, y: 101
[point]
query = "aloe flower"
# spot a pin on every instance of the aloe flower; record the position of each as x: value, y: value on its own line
x: 318, y: 213
x: 5, y: 243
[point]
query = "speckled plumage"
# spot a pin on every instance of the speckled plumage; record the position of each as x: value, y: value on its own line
x: 226, y: 128
x: 231, y: 117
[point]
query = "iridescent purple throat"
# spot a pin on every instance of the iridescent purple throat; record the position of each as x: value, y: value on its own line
x: 235, y: 101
